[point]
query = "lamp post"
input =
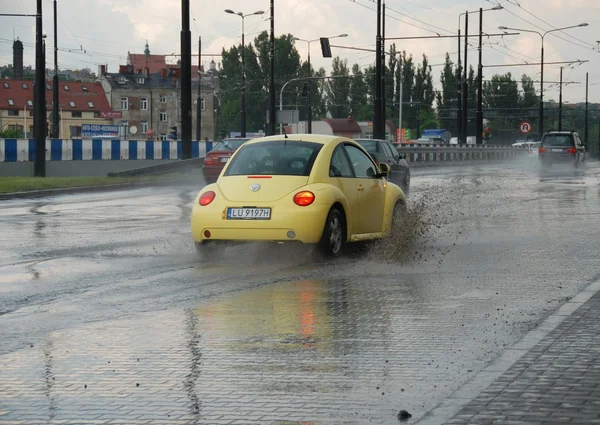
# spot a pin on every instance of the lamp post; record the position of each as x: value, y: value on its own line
x: 241, y: 15
x: 309, y: 119
x: 542, y: 36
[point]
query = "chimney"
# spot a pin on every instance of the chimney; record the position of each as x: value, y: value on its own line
x: 18, y: 59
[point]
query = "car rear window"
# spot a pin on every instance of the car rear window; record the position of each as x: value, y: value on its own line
x: 369, y: 145
x: 229, y: 145
x: 558, y: 140
x: 277, y: 158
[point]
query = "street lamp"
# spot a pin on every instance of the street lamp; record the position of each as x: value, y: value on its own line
x: 243, y: 113
x: 462, y: 112
x: 542, y: 35
x: 309, y: 127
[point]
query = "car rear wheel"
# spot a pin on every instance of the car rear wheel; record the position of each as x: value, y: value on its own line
x: 333, y: 240
x: 210, y: 251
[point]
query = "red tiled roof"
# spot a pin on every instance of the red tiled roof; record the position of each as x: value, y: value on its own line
x: 19, y: 92
x: 343, y: 125
x: 153, y: 62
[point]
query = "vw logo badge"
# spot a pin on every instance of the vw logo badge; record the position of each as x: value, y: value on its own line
x: 255, y: 187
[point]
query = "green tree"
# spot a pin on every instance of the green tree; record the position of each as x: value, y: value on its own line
x: 360, y: 108
x: 338, y: 89
x: 529, y: 99
x: 447, y: 97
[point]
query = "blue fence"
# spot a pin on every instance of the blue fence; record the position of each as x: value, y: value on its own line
x: 23, y: 150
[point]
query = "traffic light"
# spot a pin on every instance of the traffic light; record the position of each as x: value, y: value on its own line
x: 487, y: 133
x: 325, y: 47
x: 305, y: 89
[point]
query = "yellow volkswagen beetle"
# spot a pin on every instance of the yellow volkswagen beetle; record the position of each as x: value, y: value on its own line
x: 314, y: 189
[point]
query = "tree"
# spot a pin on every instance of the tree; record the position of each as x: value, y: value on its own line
x: 406, y: 73
x: 529, y: 99
x: 447, y: 97
x: 423, y: 96
x: 359, y: 104
x: 338, y: 89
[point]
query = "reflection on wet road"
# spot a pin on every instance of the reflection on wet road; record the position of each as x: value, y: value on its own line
x: 107, y: 316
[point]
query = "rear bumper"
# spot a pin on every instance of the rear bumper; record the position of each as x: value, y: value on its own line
x: 212, y: 171
x: 306, y: 223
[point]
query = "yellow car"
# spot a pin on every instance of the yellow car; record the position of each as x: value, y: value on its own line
x: 314, y: 189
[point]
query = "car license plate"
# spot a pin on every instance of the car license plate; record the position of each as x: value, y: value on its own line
x: 557, y: 150
x: 249, y: 213
x: 224, y: 158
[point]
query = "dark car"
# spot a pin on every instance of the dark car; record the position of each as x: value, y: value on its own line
x: 561, y: 147
x: 385, y: 152
x: 218, y: 156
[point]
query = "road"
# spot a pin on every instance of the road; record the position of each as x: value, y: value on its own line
x: 107, y: 315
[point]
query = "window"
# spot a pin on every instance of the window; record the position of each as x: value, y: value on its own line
x: 72, y: 104
x: 96, y: 114
x: 11, y: 102
x: 144, y: 104
x: 369, y: 145
x: 289, y: 158
x: 202, y: 104
x: 84, y: 88
x: 30, y: 103
x: 6, y: 85
x: 30, y: 113
x: 558, y: 140
x: 362, y: 164
x: 144, y: 126
x: 390, y: 150
x: 163, y: 116
x: 66, y: 87
x: 14, y: 127
x: 75, y: 114
x: 163, y: 98
x: 229, y: 144
x: 340, y: 166
x: 124, y: 103
x: 122, y: 80
x: 163, y: 137
x: 141, y: 80
x: 24, y: 85
x: 75, y: 130
x: 13, y: 113
x: 91, y: 104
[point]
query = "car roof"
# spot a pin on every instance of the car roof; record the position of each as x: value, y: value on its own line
x: 371, y: 140
x: 322, y: 139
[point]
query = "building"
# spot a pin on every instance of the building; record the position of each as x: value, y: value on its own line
x: 344, y: 127
x: 149, y: 102
x: 79, y: 104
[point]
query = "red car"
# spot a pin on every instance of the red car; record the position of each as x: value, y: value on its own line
x: 215, y: 160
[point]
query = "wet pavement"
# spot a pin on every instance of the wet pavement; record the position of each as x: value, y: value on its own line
x: 108, y: 317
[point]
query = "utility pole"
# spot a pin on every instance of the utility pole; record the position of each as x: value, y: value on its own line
x: 560, y: 98
x: 459, y: 92
x: 309, y: 120
x: 186, y: 81
x: 378, y: 72
x: 243, y: 130
x: 383, y: 100
x: 55, y: 100
x: 400, y: 99
x: 40, y: 98
x: 587, y: 109
x: 465, y: 91
x: 199, y: 97
x: 272, y: 113
x: 479, y: 120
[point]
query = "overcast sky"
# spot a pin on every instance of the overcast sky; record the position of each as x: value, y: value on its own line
x: 107, y: 29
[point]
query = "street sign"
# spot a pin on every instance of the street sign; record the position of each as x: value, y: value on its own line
x: 525, y: 127
x: 94, y: 130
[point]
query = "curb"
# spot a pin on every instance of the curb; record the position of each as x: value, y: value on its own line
x: 88, y: 189
x: 449, y: 407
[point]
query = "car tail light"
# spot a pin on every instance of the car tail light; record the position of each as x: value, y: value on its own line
x: 206, y: 198
x: 304, y: 199
x: 572, y: 151
x: 208, y: 160
x: 541, y: 150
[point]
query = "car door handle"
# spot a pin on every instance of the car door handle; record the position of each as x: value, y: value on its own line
x: 360, y: 187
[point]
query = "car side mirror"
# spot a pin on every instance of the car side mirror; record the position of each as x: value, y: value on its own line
x: 384, y: 170
x: 402, y: 156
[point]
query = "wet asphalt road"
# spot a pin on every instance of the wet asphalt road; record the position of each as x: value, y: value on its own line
x: 106, y: 314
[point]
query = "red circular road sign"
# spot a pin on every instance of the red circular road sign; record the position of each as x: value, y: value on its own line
x: 525, y: 127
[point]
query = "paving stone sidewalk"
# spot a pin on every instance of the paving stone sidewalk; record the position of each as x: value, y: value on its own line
x: 556, y: 382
